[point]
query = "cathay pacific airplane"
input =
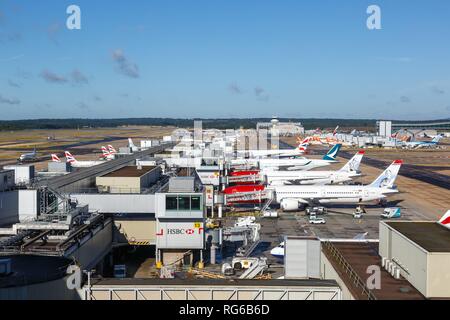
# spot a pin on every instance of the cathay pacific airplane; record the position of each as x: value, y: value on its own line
x: 345, y: 174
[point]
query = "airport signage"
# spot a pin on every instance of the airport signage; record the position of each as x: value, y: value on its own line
x: 180, y: 235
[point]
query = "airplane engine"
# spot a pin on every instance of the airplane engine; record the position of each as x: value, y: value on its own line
x: 289, y: 205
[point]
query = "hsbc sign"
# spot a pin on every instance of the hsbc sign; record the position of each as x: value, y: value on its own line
x: 180, y: 235
x: 183, y: 231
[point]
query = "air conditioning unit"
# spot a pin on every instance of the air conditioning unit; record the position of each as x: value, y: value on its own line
x: 390, y: 266
x: 397, y: 274
x: 386, y: 264
x: 393, y: 270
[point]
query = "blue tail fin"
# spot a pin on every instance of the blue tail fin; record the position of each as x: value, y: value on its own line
x: 332, y: 154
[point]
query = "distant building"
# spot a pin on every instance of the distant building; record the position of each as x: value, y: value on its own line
x: 283, y: 128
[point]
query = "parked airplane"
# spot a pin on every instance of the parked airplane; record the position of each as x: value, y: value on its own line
x: 301, y: 163
x: 278, y: 251
x: 132, y: 146
x: 106, y: 154
x: 289, y: 164
x: 423, y: 144
x: 28, y: 156
x: 345, y: 174
x: 111, y: 149
x: 80, y: 164
x: 55, y: 158
x: 291, y: 198
x: 445, y: 220
x: 298, y: 151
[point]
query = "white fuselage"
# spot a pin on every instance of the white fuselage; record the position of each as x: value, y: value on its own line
x: 307, y: 177
x: 275, y: 152
x: 301, y: 164
x: 288, y: 195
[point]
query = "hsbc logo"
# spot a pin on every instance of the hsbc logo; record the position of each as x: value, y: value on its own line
x: 179, y: 231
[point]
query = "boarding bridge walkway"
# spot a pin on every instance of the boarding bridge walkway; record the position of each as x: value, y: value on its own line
x: 250, y: 196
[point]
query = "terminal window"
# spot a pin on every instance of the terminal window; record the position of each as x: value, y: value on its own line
x: 183, y: 202
x: 171, y: 203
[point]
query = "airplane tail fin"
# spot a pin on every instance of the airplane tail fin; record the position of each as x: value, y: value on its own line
x: 335, y: 131
x: 303, y: 145
x: 55, y: 158
x: 436, y: 139
x: 353, y: 164
x: 332, y: 154
x: 130, y: 143
x: 111, y: 149
x: 69, y: 157
x: 445, y: 220
x: 388, y: 177
x: 105, y: 152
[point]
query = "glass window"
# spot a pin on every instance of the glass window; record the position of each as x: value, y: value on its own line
x: 184, y: 203
x: 171, y: 203
x: 195, y: 203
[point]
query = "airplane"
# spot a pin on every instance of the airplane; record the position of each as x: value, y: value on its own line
x: 299, y: 150
x: 289, y: 164
x: 278, y: 251
x: 423, y: 144
x: 111, y: 149
x: 291, y: 198
x: 345, y: 174
x: 301, y: 163
x: 132, y: 145
x: 445, y: 220
x: 55, y: 158
x: 28, y: 156
x: 106, y: 154
x: 80, y: 164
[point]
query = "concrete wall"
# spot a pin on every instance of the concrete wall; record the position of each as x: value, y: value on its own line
x: 28, y: 204
x: 136, y: 230
x: 9, y: 207
x: 438, y: 283
x: 128, y: 184
x: 119, y: 184
x: 18, y: 205
x: 329, y: 273
x: 117, y: 203
x: 411, y: 258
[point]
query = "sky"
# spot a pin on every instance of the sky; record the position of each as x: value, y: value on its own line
x: 221, y: 59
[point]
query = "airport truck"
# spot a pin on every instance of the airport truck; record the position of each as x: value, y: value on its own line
x: 391, y: 213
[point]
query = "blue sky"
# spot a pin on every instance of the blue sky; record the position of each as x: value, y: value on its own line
x: 234, y: 58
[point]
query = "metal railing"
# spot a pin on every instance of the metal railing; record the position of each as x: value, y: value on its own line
x: 347, y: 268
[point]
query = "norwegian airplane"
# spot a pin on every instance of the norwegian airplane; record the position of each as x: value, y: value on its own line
x: 291, y: 198
x: 345, y: 174
x: 80, y: 164
x: 289, y: 164
x: 298, y: 151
